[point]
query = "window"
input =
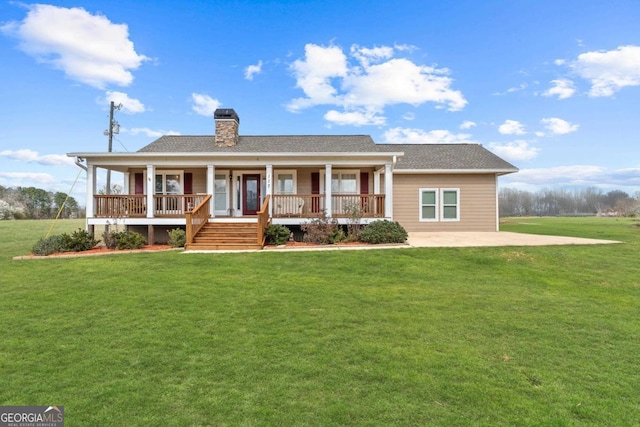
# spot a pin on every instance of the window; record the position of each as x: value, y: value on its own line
x: 450, y: 205
x: 428, y: 204
x: 220, y: 190
x: 342, y: 182
x: 285, y: 182
x: 439, y: 204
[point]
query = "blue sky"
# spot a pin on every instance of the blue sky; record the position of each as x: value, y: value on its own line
x: 551, y: 86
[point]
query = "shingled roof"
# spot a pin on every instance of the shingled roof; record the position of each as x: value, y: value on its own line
x: 264, y: 144
x: 420, y: 157
x: 446, y: 157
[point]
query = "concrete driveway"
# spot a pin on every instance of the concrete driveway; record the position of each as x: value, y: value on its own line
x: 454, y: 239
x: 500, y: 238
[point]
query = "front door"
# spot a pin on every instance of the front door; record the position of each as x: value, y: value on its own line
x: 251, y: 194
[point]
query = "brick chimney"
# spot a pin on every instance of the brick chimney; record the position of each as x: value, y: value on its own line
x: 227, y: 124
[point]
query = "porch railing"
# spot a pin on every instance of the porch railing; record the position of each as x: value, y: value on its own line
x: 120, y: 206
x: 342, y: 205
x: 196, y: 218
x: 263, y: 219
x: 135, y: 205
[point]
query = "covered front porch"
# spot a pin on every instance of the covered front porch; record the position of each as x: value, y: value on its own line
x: 304, y: 206
x: 161, y: 193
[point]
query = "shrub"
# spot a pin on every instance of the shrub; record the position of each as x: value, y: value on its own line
x: 383, y: 232
x: 50, y: 245
x: 322, y: 230
x: 124, y: 240
x: 277, y: 234
x: 78, y: 241
x: 81, y: 240
x: 177, y: 238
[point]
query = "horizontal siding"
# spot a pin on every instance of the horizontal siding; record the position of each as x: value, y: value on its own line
x: 477, y: 201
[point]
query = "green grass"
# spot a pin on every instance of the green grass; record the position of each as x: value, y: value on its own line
x: 433, y: 336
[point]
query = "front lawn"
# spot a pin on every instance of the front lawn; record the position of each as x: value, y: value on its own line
x: 433, y: 336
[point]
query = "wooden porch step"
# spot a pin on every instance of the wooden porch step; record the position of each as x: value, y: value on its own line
x: 221, y: 246
x: 226, y: 236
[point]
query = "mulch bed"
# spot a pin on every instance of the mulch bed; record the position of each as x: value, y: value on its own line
x: 98, y: 250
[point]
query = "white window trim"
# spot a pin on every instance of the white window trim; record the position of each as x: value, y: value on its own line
x: 437, y: 210
x: 164, y: 173
x: 340, y: 172
x: 457, y: 218
x: 292, y: 172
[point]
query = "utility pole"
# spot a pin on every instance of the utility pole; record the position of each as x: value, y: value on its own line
x: 114, y: 127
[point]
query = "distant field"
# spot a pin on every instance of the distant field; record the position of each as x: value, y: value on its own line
x: 432, y: 336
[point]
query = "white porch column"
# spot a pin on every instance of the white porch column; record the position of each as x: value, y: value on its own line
x: 151, y: 189
x: 269, y: 180
x: 211, y: 189
x: 91, y: 190
x: 388, y: 191
x: 125, y: 184
x: 327, y: 190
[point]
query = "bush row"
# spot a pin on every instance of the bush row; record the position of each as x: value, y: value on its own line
x: 79, y: 240
x: 326, y: 230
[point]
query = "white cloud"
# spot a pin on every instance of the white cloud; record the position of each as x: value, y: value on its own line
x: 87, y: 48
x: 468, y: 124
x: 409, y: 115
x: 354, y: 118
x: 558, y: 126
x: 150, y: 132
x: 516, y: 150
x: 562, y: 88
x: 511, y: 127
x: 204, y: 104
x: 419, y: 136
x: 29, y: 156
x: 566, y: 175
x: 26, y: 179
x: 609, y: 71
x: 314, y: 74
x: 252, y: 70
x: 368, y: 80
x: 129, y: 105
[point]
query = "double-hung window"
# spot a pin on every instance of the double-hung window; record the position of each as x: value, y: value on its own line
x: 450, y: 204
x: 428, y: 204
x: 439, y: 204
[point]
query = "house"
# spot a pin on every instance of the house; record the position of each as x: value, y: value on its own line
x: 224, y: 188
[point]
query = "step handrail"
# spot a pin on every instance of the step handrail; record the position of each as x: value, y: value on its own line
x: 197, y: 218
x: 263, y: 219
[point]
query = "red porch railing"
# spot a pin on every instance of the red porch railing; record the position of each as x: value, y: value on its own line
x: 135, y: 205
x: 342, y: 205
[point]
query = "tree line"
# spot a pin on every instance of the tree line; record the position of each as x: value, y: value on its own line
x: 558, y: 202
x: 36, y: 203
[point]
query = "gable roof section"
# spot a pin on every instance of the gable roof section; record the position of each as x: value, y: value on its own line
x: 423, y: 158
x: 265, y: 144
x: 447, y: 157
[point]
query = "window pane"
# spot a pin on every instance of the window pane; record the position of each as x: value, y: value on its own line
x: 173, y: 184
x: 428, y: 212
x: 348, y: 183
x: 335, y: 184
x: 220, y: 185
x: 449, y: 212
x: 449, y: 197
x: 285, y: 184
x: 221, y: 202
x: 158, y: 184
x: 428, y: 197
